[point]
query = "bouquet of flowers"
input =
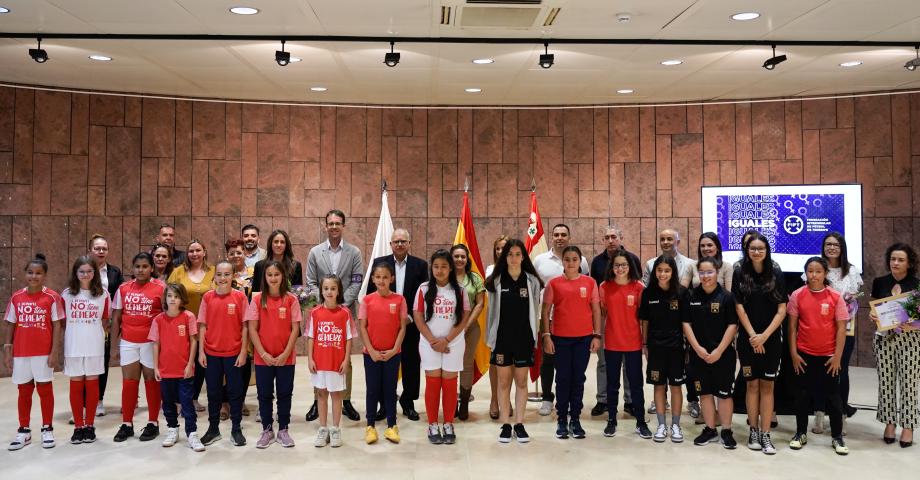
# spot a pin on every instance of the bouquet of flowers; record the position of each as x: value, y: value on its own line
x: 307, y: 301
x: 912, y: 307
x: 852, y: 301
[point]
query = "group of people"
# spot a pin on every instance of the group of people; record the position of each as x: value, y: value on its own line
x: 181, y: 322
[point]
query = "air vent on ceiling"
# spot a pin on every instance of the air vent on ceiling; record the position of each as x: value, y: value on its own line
x: 506, y: 2
x: 551, y: 17
x: 445, y: 15
x: 498, y: 17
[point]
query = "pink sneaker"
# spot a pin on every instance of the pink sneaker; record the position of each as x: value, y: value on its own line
x: 266, y: 439
x: 284, y: 438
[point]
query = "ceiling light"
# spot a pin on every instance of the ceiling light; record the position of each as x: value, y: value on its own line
x: 100, y: 58
x: 547, y: 59
x: 670, y: 63
x: 296, y: 59
x: 853, y: 63
x: 773, y: 61
x: 483, y: 61
x: 625, y: 91
x: 318, y: 89
x: 745, y: 16
x: 391, y: 59
x: 39, y: 54
x: 472, y: 90
x: 912, y: 64
x: 282, y: 58
x: 4, y: 10
x: 244, y: 10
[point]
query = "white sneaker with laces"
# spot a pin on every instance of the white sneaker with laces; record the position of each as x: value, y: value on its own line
x: 172, y: 436
x: 677, y: 435
x: 100, y: 409
x: 545, y: 408
x: 195, y: 443
x: 661, y: 434
x: 754, y: 440
x: 767, y: 443
x: 322, y: 437
x: 47, y: 437
x: 335, y: 437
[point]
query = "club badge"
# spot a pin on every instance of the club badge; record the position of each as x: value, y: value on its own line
x: 673, y: 304
x: 282, y: 313
x: 630, y: 300
x: 392, y: 308
x: 231, y: 309
x: 523, y: 293
x: 746, y: 371
x: 825, y: 308
x: 583, y: 291
x: 181, y: 330
x: 714, y: 307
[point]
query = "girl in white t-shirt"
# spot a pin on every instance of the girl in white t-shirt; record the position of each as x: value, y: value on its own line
x: 86, y: 309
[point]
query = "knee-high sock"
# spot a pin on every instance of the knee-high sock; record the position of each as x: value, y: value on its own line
x: 449, y: 398
x: 46, y: 397
x: 432, y: 397
x: 152, y: 388
x: 92, y: 398
x: 129, y: 389
x: 76, y: 402
x: 25, y: 403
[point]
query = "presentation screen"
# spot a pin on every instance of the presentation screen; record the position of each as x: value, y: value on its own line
x: 794, y: 218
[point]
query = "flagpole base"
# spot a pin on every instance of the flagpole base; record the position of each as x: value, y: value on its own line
x: 535, y: 396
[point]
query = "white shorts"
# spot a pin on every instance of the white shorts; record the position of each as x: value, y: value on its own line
x: 331, y: 381
x: 131, y: 352
x: 84, y: 366
x: 448, y: 362
x: 27, y: 369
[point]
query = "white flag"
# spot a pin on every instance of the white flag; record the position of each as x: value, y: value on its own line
x: 381, y: 241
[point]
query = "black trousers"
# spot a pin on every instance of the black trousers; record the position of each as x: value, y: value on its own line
x: 816, y: 383
x: 411, y: 365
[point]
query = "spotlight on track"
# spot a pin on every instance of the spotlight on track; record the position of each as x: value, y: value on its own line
x: 773, y: 61
x: 39, y: 54
x: 912, y: 65
x: 391, y: 59
x: 547, y: 59
x: 282, y: 58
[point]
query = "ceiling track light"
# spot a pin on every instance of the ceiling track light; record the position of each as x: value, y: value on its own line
x: 912, y: 64
x: 282, y: 58
x: 547, y: 59
x: 773, y: 61
x: 391, y: 59
x: 38, y: 54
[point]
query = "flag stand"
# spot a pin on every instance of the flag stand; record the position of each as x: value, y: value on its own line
x: 534, y: 395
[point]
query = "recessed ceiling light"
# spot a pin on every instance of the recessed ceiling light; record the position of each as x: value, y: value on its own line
x: 853, y: 63
x: 244, y: 10
x: 472, y: 90
x: 4, y: 10
x: 296, y: 59
x: 625, y: 91
x: 318, y: 89
x: 745, y: 16
x: 483, y: 61
x: 670, y: 63
x: 100, y: 58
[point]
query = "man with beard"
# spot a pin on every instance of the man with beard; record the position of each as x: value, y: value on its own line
x: 254, y: 253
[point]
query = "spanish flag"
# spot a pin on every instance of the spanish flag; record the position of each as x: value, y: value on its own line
x: 466, y: 235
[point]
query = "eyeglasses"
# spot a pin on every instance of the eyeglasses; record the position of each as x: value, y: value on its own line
x: 757, y: 249
x: 620, y: 265
x: 832, y: 245
x: 100, y: 249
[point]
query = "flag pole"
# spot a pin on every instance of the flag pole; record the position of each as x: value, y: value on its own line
x: 535, y: 395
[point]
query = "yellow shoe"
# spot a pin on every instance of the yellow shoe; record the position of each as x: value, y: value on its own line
x: 392, y: 434
x: 370, y: 435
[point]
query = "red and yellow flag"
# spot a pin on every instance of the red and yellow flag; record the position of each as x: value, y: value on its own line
x: 466, y: 235
x: 536, y: 244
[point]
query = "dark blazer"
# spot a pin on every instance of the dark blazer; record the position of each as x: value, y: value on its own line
x: 258, y: 271
x: 115, y: 279
x: 416, y: 274
x: 178, y: 257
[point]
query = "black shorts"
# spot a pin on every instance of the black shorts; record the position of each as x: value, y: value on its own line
x: 511, y: 359
x: 665, y: 366
x: 714, y: 379
x: 760, y: 366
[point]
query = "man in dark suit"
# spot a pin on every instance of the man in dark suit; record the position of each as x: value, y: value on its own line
x: 111, y: 278
x: 410, y: 273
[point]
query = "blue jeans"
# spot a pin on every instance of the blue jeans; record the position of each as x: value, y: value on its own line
x: 633, y: 372
x: 179, y: 390
x: 381, y: 378
x: 572, y: 354
x: 218, y: 368
x: 268, y: 378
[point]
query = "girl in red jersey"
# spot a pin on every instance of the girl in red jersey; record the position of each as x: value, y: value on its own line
x: 174, y: 334
x: 817, y: 332
x: 86, y: 305
x: 328, y: 343
x: 620, y: 295
x: 273, y: 318
x: 135, y: 305
x: 30, y: 348
x: 222, y: 351
x: 573, y: 335
x: 380, y: 322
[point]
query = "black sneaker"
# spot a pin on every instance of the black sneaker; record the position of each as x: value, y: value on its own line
x: 520, y: 433
x: 643, y: 431
x: 728, y: 439
x: 237, y: 438
x: 125, y: 432
x: 575, y: 427
x: 89, y: 434
x: 707, y: 435
x: 505, y: 435
x: 562, y: 429
x: 211, y: 436
x: 434, y: 434
x: 313, y: 413
x: 849, y: 410
x: 611, y: 429
x: 77, y: 436
x: 450, y: 437
x: 149, y: 432
x: 599, y: 409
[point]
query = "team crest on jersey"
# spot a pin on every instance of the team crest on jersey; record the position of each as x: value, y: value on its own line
x: 746, y: 371
x: 499, y: 358
x: 698, y: 385
x: 181, y: 330
x: 282, y: 313
x: 392, y: 308
x: 714, y: 307
x: 825, y: 308
x: 231, y: 309
x: 583, y: 291
x: 655, y: 375
x: 523, y: 293
x: 673, y: 304
x: 630, y: 300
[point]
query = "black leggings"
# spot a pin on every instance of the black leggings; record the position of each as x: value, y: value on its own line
x: 813, y: 383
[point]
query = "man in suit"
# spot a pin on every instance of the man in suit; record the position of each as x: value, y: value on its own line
x: 336, y: 257
x: 111, y: 278
x: 410, y: 273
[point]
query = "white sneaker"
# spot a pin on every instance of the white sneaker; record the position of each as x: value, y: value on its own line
x: 335, y: 437
x: 322, y: 437
x: 767, y: 443
x: 100, y: 409
x: 545, y: 408
x: 754, y: 440
x: 677, y: 435
x: 661, y: 434
x: 194, y: 442
x: 172, y: 435
x: 23, y: 438
x: 47, y: 437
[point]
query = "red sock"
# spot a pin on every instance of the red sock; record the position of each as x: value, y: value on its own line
x: 449, y: 398
x: 432, y: 397
x: 152, y: 388
x: 25, y: 403
x: 76, y: 402
x: 129, y: 390
x: 46, y: 397
x: 92, y: 399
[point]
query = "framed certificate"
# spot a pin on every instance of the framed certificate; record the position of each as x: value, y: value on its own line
x: 890, y: 311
